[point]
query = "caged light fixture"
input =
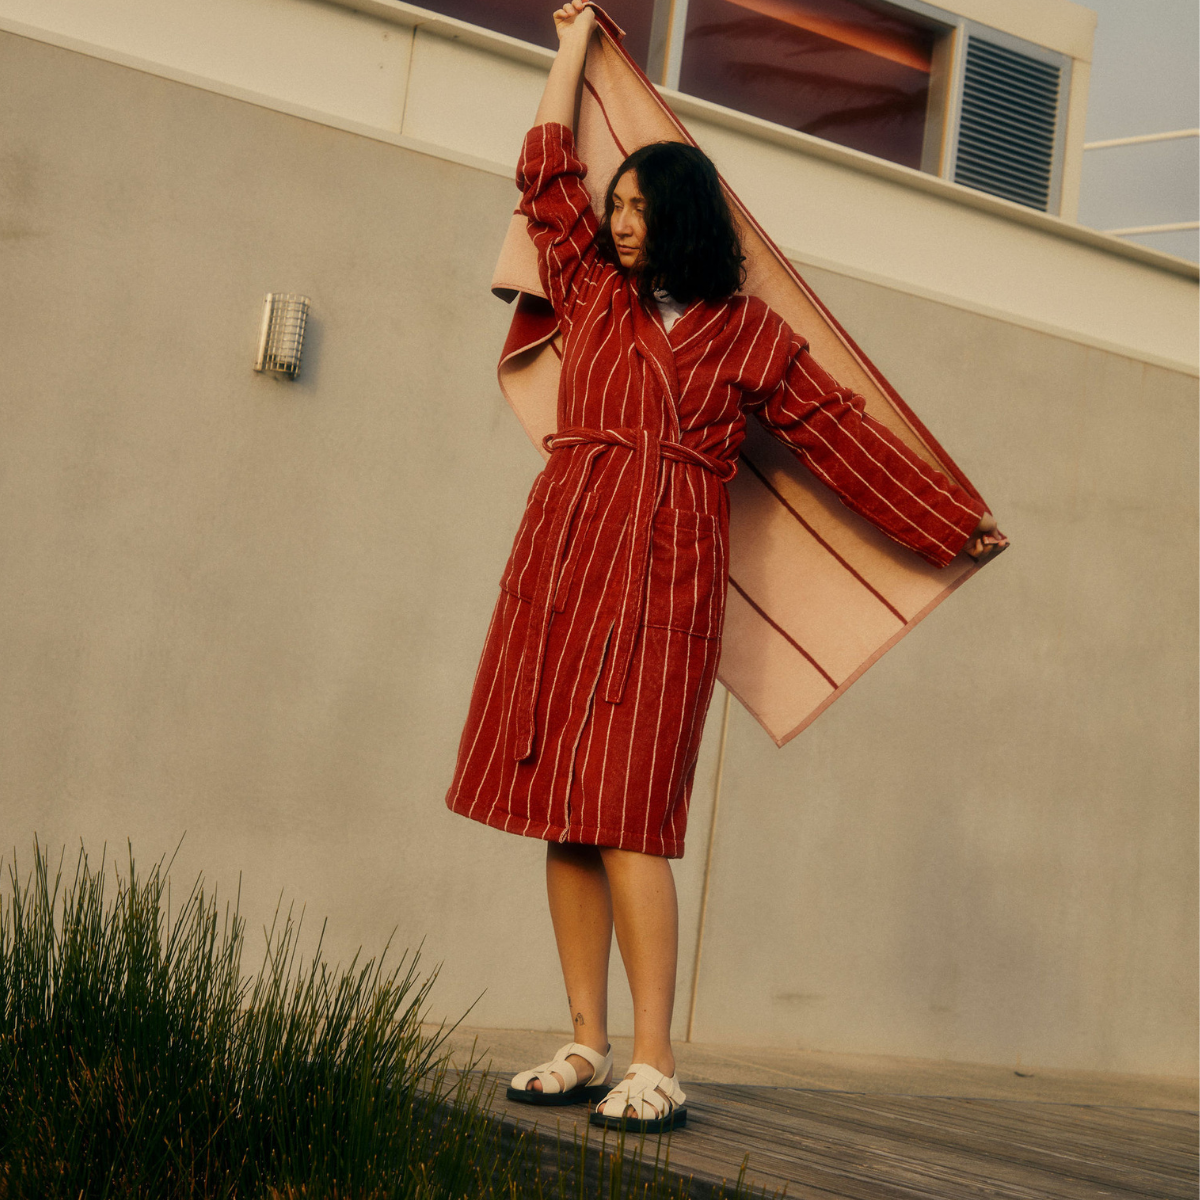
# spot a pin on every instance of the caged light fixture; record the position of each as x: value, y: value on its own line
x: 282, y: 336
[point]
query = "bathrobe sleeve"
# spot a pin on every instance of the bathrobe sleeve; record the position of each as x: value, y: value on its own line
x: 562, y: 223
x: 866, y: 465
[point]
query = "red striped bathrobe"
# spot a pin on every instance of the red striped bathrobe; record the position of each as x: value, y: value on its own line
x: 599, y: 664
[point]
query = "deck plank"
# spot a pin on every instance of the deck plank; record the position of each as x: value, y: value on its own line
x: 1047, y: 1130
x: 834, y: 1145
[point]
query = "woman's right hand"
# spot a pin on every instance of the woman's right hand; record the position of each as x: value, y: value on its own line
x: 574, y: 20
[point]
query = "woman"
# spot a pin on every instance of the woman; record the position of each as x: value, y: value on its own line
x: 599, y: 664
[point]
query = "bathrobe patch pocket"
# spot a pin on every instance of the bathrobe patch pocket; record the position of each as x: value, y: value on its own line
x: 687, y: 576
x: 521, y: 575
x: 580, y: 544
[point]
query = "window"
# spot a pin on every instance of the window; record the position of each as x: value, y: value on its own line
x: 902, y: 80
x: 531, y: 20
x: 834, y: 68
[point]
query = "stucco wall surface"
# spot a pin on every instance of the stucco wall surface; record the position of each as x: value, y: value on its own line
x: 251, y: 611
x: 999, y: 820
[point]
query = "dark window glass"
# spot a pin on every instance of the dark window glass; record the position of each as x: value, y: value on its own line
x: 533, y: 21
x: 833, y: 68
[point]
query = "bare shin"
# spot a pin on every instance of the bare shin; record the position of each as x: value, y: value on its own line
x: 646, y: 918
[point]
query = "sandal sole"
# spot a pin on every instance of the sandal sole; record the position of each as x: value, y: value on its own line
x: 674, y: 1119
x: 592, y: 1093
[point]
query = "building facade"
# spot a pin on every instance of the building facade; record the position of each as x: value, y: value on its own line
x: 249, y: 610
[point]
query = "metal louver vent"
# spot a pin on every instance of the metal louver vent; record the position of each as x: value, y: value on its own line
x: 1007, y: 129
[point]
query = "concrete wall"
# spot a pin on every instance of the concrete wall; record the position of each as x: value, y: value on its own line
x: 991, y: 842
x: 251, y: 610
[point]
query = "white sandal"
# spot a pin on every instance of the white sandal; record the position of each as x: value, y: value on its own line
x: 657, y: 1101
x: 569, y: 1091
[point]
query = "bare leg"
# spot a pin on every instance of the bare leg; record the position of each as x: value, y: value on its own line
x: 646, y: 916
x: 581, y: 909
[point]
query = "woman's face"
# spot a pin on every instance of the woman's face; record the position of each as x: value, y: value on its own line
x: 628, y: 222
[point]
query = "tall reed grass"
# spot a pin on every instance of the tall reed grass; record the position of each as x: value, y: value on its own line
x: 138, y: 1060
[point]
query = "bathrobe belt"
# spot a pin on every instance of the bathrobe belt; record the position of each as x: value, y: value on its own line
x: 648, y: 449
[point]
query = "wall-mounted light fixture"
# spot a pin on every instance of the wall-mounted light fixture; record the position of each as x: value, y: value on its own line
x: 282, y: 337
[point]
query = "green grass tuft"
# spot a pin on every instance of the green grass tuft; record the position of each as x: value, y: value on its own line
x: 138, y: 1060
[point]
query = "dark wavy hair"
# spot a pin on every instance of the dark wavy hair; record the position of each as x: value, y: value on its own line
x: 692, y: 249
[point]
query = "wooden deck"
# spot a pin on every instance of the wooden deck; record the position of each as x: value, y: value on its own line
x: 824, y: 1144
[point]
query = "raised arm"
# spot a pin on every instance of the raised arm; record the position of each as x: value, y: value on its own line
x: 575, y: 25
x: 550, y: 175
x: 870, y: 469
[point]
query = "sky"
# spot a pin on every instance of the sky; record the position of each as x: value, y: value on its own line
x: 1145, y: 79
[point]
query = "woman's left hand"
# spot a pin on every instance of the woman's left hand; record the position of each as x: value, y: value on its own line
x: 986, y: 540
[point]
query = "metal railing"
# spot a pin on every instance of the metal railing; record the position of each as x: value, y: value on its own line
x: 1142, y: 139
